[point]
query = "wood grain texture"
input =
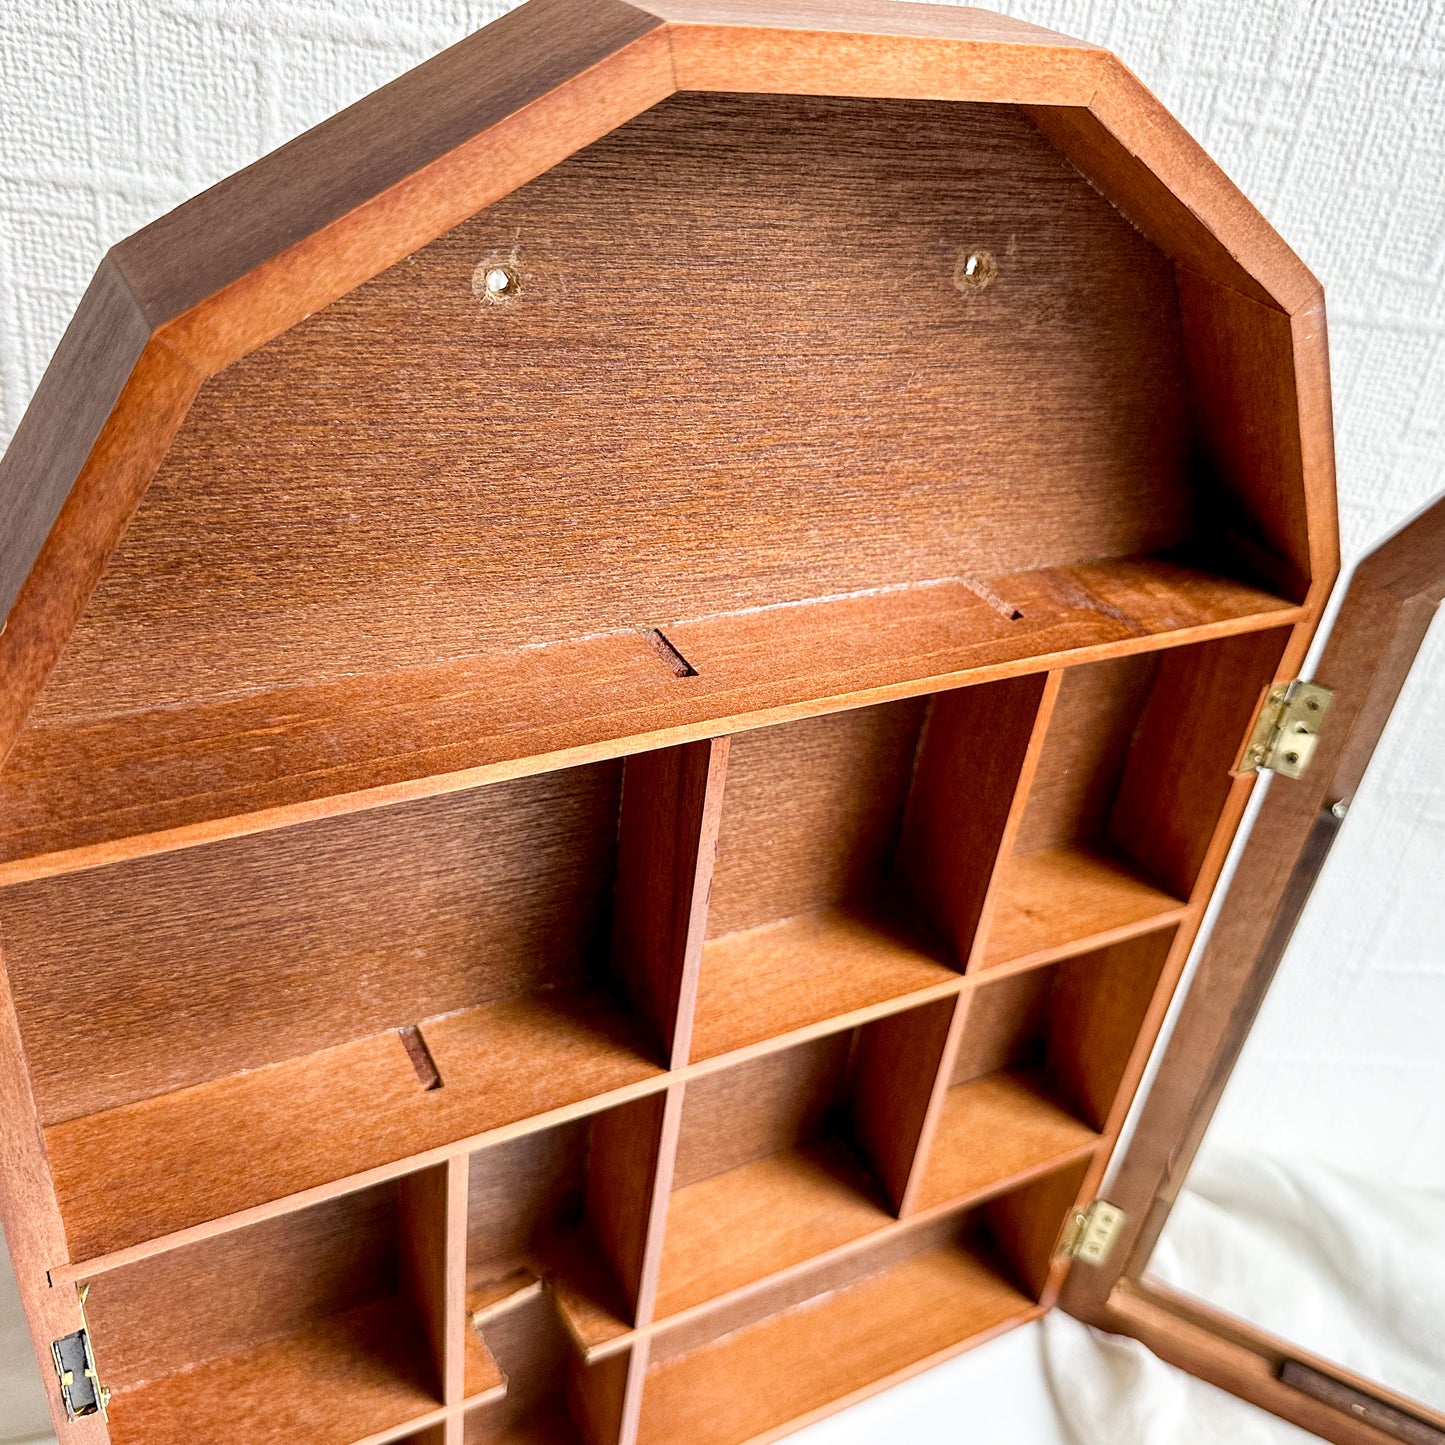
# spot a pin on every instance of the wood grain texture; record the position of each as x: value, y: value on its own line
x: 1090, y: 731
x: 994, y: 1131
x: 757, y: 1108
x: 30, y: 1216
x: 761, y: 1218
x: 622, y: 1170
x: 1192, y: 731
x: 78, y: 796
x: 168, y: 972
x: 1064, y: 900
x: 811, y: 814
x: 667, y: 842
x: 199, y: 1154
x: 345, y: 1379
x: 895, y: 1065
x: 220, y: 1297
x: 787, y: 1367
x: 1385, y: 615
x: 359, y: 539
x: 1024, y: 1225
x: 432, y: 1233
x: 963, y: 788
x: 807, y: 972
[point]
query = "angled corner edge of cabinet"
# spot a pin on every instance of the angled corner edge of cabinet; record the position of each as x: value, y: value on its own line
x: 1381, y: 624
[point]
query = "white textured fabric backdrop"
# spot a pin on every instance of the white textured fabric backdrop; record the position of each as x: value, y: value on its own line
x: 1330, y: 115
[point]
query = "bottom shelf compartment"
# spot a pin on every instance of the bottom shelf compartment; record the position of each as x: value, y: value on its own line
x: 551, y: 1397
x: 847, y: 1331
x: 311, y: 1326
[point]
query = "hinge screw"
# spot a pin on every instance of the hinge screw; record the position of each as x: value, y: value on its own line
x: 1339, y: 808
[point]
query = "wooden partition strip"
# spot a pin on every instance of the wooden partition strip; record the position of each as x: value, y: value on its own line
x: 974, y: 748
x: 667, y: 842
x: 433, y: 1222
x: 637, y: 1362
x: 625, y: 1166
x: 662, y: 1180
x: 897, y: 1066
x: 1008, y: 834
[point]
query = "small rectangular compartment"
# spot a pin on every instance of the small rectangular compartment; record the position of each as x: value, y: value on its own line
x: 838, y: 1332
x: 318, y: 1325
x: 281, y: 1011
x: 1040, y: 1061
x: 564, y: 1212
x: 848, y: 875
x: 1127, y: 792
x: 552, y: 1397
x: 795, y: 1155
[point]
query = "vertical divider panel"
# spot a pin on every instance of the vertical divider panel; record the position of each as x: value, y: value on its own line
x: 968, y: 783
x: 432, y: 1218
x: 671, y: 1131
x: 638, y: 1359
x: 600, y: 1398
x: 1178, y: 776
x: 897, y: 1069
x: 667, y: 843
x: 627, y: 1161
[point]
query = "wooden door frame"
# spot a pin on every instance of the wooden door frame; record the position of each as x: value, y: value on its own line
x: 1381, y: 625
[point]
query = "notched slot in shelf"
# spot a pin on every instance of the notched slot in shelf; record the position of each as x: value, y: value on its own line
x: 672, y: 659
x: 420, y: 1055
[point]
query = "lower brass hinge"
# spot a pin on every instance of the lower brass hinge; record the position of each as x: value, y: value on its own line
x: 80, y: 1387
x: 1091, y: 1233
x: 1288, y: 729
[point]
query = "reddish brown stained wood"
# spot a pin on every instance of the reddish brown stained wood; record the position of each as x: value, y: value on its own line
x: 328, y: 933
x: 964, y: 784
x: 794, y: 1365
x: 218, y: 1148
x: 622, y: 1171
x: 896, y: 1062
x: 1191, y: 733
x: 671, y: 804
x: 34, y: 1233
x: 788, y: 977
x: 432, y: 1221
x: 172, y: 779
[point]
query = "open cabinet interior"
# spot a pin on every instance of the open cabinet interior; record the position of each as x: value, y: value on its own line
x: 599, y: 855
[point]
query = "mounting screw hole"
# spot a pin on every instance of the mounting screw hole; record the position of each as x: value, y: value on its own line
x: 975, y: 271
x: 494, y: 282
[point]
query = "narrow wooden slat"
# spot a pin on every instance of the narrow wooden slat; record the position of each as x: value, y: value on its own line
x: 671, y: 804
x: 964, y: 785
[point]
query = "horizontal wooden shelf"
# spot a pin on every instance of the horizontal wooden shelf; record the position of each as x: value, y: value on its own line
x: 784, y: 977
x: 1067, y: 900
x: 996, y: 1131
x: 149, y: 1169
x: 345, y: 1379
x: 77, y: 793
x: 790, y: 1365
x: 763, y: 1217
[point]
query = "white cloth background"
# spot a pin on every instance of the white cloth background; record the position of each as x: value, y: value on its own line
x: 1331, y: 115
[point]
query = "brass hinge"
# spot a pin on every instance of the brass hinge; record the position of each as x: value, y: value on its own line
x: 1288, y: 729
x: 80, y: 1387
x: 1091, y: 1233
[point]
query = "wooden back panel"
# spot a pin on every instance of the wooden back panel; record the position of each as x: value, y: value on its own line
x: 206, y: 1300
x: 170, y: 970
x: 738, y: 371
x: 811, y: 813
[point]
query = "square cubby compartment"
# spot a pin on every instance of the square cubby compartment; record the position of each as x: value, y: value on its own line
x: 1132, y: 776
x: 552, y: 1397
x: 795, y: 1154
x: 854, y: 852
x: 1040, y: 1061
x: 321, y: 1325
x: 561, y: 1215
x: 309, y: 1003
x: 855, y: 1324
